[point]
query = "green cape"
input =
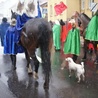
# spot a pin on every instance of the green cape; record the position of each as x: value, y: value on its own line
x: 92, y: 29
x: 72, y: 43
x: 56, y: 36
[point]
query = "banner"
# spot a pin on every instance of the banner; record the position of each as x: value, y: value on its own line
x: 59, y: 8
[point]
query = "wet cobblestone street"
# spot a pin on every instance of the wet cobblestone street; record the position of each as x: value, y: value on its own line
x: 18, y: 84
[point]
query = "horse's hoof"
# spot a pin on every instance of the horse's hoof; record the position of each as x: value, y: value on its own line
x: 29, y: 71
x: 14, y: 67
x: 46, y: 86
x: 35, y: 75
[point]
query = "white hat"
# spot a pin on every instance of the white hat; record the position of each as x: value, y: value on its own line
x: 72, y: 21
x: 13, y: 22
x: 57, y: 22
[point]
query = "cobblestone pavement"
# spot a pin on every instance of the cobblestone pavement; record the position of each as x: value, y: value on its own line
x: 18, y: 84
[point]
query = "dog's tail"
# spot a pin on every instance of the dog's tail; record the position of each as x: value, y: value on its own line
x: 82, y: 63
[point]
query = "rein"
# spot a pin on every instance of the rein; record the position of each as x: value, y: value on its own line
x: 24, y: 34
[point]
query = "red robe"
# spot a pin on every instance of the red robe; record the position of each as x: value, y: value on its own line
x: 64, y: 32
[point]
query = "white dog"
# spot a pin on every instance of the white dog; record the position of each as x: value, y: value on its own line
x: 79, y: 69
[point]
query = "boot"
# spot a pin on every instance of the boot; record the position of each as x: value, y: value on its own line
x: 13, y: 59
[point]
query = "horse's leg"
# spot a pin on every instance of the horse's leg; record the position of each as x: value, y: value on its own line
x: 96, y: 52
x: 85, y: 48
x: 36, y: 65
x: 28, y: 62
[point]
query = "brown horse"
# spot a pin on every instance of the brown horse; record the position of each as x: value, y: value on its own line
x: 37, y: 33
x: 84, y: 20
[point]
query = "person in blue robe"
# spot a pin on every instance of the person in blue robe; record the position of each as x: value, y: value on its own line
x: 3, y: 27
x: 10, y: 42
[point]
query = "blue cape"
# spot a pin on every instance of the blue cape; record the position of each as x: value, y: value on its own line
x: 3, y: 28
x: 10, y: 41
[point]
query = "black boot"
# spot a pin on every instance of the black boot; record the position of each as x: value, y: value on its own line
x: 13, y: 59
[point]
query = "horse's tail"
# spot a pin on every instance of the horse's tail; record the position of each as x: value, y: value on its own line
x: 44, y: 42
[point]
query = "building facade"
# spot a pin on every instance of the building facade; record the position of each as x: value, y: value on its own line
x: 72, y: 6
x: 89, y: 7
x: 67, y: 13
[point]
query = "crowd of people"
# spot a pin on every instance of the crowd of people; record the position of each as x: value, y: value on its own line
x: 67, y: 33
x: 9, y: 39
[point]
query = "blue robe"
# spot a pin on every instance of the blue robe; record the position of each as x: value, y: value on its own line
x: 3, y: 28
x: 10, y: 41
x: 13, y: 34
x: 21, y: 20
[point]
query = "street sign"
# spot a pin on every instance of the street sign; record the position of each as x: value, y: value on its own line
x: 94, y: 7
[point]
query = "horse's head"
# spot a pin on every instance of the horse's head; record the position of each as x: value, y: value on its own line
x: 75, y: 14
x: 14, y: 14
x: 84, y: 20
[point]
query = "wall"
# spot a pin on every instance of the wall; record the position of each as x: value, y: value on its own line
x: 51, y: 12
x: 73, y: 5
x: 87, y: 10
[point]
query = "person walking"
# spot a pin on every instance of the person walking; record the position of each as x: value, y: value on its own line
x: 72, y: 43
x: 65, y: 27
x: 56, y: 35
x: 10, y: 42
x: 3, y: 27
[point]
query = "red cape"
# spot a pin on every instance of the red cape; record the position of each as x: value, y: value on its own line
x: 64, y: 32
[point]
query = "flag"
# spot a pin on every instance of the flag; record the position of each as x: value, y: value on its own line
x: 59, y: 8
x: 39, y: 11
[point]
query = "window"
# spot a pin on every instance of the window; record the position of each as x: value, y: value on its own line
x: 44, y: 10
x: 82, y: 4
x: 89, y: 4
x: 51, y: 11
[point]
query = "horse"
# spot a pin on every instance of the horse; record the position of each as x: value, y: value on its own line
x: 37, y: 33
x: 84, y: 20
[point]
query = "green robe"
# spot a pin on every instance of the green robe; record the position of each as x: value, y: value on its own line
x: 56, y: 36
x: 72, y: 43
x: 92, y: 29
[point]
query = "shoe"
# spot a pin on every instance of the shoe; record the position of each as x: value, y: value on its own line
x: 96, y: 62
